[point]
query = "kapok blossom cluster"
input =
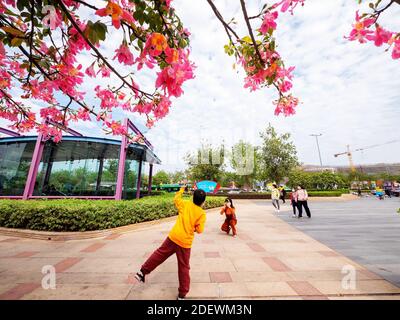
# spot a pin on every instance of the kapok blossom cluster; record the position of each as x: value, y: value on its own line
x: 362, y: 32
x: 61, y: 72
x: 272, y: 70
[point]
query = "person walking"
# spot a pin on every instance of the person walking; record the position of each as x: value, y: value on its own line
x: 275, y: 195
x: 302, y: 197
x: 283, y: 194
x: 293, y: 201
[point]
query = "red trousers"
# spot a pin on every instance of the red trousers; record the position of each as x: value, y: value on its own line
x: 228, y: 224
x: 167, y: 249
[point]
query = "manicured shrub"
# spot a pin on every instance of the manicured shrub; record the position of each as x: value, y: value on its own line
x: 85, y: 215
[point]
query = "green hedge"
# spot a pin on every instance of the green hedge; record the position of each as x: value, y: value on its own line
x: 325, y: 193
x: 267, y: 195
x: 85, y: 215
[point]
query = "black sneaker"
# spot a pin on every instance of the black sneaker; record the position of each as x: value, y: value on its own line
x: 139, y: 276
x: 180, y: 298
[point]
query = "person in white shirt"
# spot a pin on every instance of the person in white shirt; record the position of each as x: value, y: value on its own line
x: 302, y: 197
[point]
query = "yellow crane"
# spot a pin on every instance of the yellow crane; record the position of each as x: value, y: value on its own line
x: 349, y: 153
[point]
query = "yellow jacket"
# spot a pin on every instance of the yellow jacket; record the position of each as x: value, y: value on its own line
x: 191, y: 218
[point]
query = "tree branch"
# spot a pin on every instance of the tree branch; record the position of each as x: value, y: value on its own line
x: 246, y: 18
x: 220, y: 18
x: 99, y: 55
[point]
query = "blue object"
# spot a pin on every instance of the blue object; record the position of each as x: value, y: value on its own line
x: 206, y: 185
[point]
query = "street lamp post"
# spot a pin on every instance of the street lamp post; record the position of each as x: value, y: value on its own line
x: 319, y: 152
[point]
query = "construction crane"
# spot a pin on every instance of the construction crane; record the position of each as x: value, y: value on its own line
x: 349, y: 153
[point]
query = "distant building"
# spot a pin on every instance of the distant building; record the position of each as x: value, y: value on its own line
x: 389, y: 168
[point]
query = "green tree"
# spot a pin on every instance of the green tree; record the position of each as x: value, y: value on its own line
x: 161, y: 177
x: 242, y: 160
x: 207, y: 163
x: 177, y: 176
x: 277, y: 155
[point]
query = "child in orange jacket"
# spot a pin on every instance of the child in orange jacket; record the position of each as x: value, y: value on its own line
x: 191, y: 218
x: 230, y: 220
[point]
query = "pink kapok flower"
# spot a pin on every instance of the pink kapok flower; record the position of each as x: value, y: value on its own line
x: 285, y: 86
x: 269, y: 22
x: 53, y: 18
x: 124, y: 55
x: 83, y: 114
x: 116, y: 128
x: 117, y: 14
x: 105, y: 72
x: 90, y: 71
x: 360, y: 30
x: 396, y: 49
x: 289, y: 4
x: 381, y: 36
x: 286, y: 105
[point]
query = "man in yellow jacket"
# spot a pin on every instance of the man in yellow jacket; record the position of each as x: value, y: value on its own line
x: 191, y: 218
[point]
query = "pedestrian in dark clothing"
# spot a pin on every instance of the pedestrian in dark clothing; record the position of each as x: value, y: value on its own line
x: 283, y: 194
x: 293, y: 201
x: 302, y: 197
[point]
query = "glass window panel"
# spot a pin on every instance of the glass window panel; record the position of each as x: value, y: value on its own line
x: 78, y: 168
x: 15, y: 160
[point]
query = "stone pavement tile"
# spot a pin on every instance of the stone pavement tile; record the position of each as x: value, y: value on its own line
x: 371, y: 297
x: 172, y: 277
x: 329, y: 253
x: 76, y: 278
x: 232, y: 290
x: 255, y: 247
x: 114, y: 265
x: 9, y: 240
x: 312, y: 263
x: 93, y: 247
x: 113, y: 236
x: 254, y: 264
x: 304, y: 288
x: 368, y: 275
x: 4, y: 287
x: 289, y: 247
x: 12, y: 278
x: 236, y: 247
x: 270, y: 289
x: 153, y: 291
x: 19, y: 291
x: 315, y: 297
x: 211, y: 265
x: 244, y: 236
x: 362, y: 287
x: 212, y: 254
x: 208, y: 241
x: 294, y: 254
x: 265, y: 276
x: 203, y: 291
x: 276, y: 264
x: 81, y: 292
x: 66, y: 264
x: 26, y: 265
x: 25, y: 254
x: 217, y: 277
x: 316, y: 275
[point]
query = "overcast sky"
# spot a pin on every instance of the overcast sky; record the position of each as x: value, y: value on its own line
x: 349, y: 92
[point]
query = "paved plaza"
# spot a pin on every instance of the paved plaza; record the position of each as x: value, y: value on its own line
x: 366, y: 230
x: 273, y: 257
